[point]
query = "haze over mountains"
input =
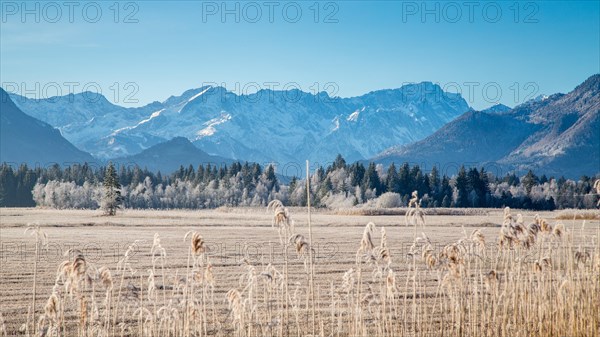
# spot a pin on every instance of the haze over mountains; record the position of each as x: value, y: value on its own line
x: 417, y: 123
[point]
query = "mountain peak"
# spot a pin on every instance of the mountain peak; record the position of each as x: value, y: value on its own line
x: 189, y: 95
x: 179, y: 141
x: 497, y: 108
x: 170, y: 155
x: 592, y: 84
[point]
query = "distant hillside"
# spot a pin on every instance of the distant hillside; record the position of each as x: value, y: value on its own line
x: 24, y: 139
x: 557, y: 135
x: 169, y: 156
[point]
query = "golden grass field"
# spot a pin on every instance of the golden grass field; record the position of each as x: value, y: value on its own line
x: 111, y: 276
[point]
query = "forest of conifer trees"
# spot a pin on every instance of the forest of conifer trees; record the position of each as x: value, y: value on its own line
x: 339, y: 185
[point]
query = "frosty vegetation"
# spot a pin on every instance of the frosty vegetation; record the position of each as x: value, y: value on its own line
x: 339, y: 185
x: 111, y: 198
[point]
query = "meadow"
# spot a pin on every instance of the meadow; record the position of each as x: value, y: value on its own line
x: 254, y: 272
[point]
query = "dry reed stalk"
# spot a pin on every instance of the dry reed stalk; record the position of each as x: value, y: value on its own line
x: 105, y: 277
x: 83, y: 316
x: 282, y: 219
x: 415, y: 215
x: 310, y: 251
x: 511, y: 297
x: 366, y: 242
x: 209, y: 280
x: 597, y: 188
x: 479, y: 240
x: 159, y: 253
x: 236, y: 305
x: 121, y: 265
x: 40, y: 238
x: 544, y: 225
x: 196, y: 252
x: 285, y: 225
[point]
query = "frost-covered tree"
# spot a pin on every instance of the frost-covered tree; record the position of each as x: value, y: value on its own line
x: 389, y: 200
x: 61, y: 195
x: 111, y: 200
x: 248, y: 184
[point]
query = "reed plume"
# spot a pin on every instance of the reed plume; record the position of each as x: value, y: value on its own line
x: 281, y: 218
x: 415, y: 215
x: 366, y: 243
x: 196, y: 243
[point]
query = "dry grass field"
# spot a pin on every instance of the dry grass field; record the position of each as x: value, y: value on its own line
x: 229, y: 272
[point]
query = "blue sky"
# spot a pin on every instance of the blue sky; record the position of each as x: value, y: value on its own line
x: 521, y: 49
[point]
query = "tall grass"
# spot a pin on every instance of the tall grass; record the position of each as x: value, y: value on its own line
x: 532, y: 280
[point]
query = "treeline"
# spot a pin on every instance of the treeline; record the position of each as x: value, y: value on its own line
x: 339, y: 185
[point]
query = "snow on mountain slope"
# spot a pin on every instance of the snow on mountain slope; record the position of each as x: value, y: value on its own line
x: 85, y: 118
x: 266, y: 126
x: 210, y: 130
x: 153, y: 115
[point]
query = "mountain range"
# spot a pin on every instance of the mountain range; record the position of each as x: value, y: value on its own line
x: 418, y: 123
x: 557, y: 135
x: 267, y: 126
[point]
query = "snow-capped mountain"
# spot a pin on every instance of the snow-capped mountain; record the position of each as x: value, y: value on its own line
x: 83, y: 118
x: 556, y: 135
x: 267, y: 126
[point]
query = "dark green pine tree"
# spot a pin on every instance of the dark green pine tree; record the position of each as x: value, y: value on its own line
x: 293, y: 184
x: 26, y: 180
x: 446, y: 192
x: 371, y: 179
x: 404, y: 179
x: 339, y: 162
x: 111, y: 200
x: 357, y: 173
x: 392, y: 181
x: 477, y: 187
x: 8, y: 186
x: 271, y: 178
x: 529, y: 181
x: 462, y: 186
x: 435, y: 184
x: 325, y: 188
